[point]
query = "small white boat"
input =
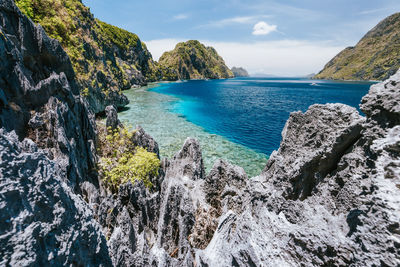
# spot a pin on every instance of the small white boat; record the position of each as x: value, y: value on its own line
x: 314, y: 84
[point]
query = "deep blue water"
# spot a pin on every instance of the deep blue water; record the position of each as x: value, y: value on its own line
x: 253, y: 111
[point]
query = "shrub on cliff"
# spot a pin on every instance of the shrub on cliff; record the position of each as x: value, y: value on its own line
x: 121, y: 161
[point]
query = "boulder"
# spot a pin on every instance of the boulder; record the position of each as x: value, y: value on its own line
x: 112, y: 118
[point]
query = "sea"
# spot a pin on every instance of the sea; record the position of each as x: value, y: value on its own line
x: 239, y: 120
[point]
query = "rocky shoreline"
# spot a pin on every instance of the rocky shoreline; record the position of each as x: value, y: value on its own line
x: 330, y: 196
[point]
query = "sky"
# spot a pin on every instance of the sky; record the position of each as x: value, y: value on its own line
x: 283, y: 38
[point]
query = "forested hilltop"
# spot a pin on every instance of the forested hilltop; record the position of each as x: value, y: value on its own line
x: 193, y: 60
x: 375, y: 57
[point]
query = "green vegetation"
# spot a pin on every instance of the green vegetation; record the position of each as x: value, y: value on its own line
x: 121, y: 161
x: 114, y: 35
x: 193, y: 60
x: 375, y: 57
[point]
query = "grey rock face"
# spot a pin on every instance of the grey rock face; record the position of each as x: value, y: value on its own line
x: 112, y: 118
x: 98, y: 100
x: 381, y: 104
x: 239, y: 72
x: 312, y: 145
x: 40, y: 99
x: 188, y: 161
x: 42, y: 221
x: 141, y: 138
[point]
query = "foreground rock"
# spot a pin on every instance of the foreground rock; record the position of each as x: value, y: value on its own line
x: 42, y: 221
x: 40, y: 99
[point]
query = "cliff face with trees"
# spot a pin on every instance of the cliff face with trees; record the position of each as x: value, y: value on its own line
x: 105, y: 58
x: 193, y: 60
x: 375, y: 57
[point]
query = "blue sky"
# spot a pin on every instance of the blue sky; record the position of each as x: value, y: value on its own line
x: 288, y: 38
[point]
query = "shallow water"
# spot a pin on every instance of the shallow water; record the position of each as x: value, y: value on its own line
x: 151, y: 110
x: 240, y: 119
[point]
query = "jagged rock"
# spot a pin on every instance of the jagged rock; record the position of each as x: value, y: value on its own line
x: 381, y: 103
x: 42, y: 221
x: 180, y: 192
x: 141, y: 138
x: 224, y: 186
x: 188, y: 161
x: 40, y: 99
x: 112, y: 118
x: 312, y: 144
x: 98, y: 100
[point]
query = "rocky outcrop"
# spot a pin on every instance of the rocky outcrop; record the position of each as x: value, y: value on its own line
x: 326, y: 132
x: 141, y: 138
x: 112, y: 118
x: 42, y: 221
x: 193, y: 60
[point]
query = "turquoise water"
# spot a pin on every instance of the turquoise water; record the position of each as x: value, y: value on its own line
x: 240, y: 119
x: 152, y: 111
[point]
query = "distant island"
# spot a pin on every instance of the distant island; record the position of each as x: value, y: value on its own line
x: 239, y: 72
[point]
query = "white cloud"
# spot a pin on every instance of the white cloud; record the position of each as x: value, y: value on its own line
x: 263, y: 28
x: 283, y: 58
x: 233, y: 21
x: 180, y: 17
x: 240, y: 20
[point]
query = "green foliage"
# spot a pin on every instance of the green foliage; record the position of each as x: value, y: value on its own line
x: 85, y: 92
x: 114, y: 35
x: 26, y: 7
x: 121, y: 161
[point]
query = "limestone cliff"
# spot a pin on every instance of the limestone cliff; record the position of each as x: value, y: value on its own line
x: 375, y: 57
x: 105, y: 58
x: 193, y: 60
